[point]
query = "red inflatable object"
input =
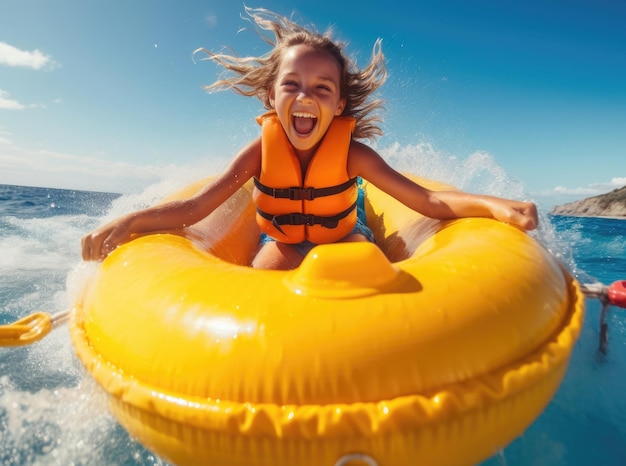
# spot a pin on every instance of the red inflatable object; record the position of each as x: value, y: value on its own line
x: 617, y: 294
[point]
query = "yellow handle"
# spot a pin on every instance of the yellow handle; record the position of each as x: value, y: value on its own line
x: 30, y: 329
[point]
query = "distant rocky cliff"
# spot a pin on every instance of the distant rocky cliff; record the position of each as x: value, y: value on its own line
x: 611, y: 204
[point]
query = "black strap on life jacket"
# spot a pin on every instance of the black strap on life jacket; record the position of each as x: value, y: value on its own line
x: 299, y: 193
x: 297, y: 218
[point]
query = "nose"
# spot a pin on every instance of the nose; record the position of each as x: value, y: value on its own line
x: 304, y: 95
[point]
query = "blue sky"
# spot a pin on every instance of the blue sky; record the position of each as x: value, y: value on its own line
x: 106, y: 96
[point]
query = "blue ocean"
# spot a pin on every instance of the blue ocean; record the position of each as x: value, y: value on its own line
x: 52, y: 413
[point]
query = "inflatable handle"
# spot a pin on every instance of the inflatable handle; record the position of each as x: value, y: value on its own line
x: 345, y: 270
x: 31, y: 328
x: 617, y: 294
x: 25, y: 331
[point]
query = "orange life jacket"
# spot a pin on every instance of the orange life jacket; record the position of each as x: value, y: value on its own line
x: 320, y: 208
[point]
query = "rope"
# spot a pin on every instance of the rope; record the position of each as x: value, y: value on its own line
x: 60, y: 318
x: 595, y: 290
x: 615, y: 295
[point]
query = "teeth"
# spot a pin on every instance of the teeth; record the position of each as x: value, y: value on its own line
x: 303, y: 115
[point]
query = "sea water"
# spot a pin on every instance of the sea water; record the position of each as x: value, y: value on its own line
x: 52, y: 413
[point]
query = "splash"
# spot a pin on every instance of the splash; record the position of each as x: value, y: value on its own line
x: 63, y: 426
x: 478, y: 173
x: 51, y: 413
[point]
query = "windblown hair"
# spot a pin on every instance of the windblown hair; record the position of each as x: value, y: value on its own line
x: 254, y: 76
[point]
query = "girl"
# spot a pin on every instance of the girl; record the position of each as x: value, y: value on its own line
x: 306, y: 162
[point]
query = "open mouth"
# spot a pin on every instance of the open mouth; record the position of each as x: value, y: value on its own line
x: 303, y: 122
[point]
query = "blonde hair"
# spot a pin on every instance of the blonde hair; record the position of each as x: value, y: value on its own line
x: 254, y: 76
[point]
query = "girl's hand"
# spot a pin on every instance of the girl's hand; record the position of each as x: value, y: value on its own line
x: 101, y: 242
x: 519, y: 213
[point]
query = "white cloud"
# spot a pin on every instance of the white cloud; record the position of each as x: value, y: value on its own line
x: 603, y: 187
x: 619, y: 182
x: 37, y: 60
x: 45, y: 168
x: 592, y: 189
x: 6, y: 103
x: 32, y: 167
x: 559, y: 195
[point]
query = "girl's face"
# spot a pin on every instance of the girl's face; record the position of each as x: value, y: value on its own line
x: 306, y: 95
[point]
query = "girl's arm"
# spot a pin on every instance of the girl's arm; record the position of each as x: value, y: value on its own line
x: 367, y: 163
x: 175, y: 215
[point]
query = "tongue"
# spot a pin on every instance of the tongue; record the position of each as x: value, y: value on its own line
x: 304, y: 125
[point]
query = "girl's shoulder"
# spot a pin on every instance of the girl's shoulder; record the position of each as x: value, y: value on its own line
x: 359, y: 149
x: 362, y: 159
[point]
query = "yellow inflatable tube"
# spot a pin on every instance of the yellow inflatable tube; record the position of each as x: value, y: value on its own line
x: 441, y: 350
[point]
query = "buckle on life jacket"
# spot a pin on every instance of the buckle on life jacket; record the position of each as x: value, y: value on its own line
x: 298, y: 193
x: 303, y: 219
x: 301, y: 194
x: 297, y: 218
